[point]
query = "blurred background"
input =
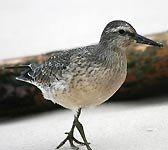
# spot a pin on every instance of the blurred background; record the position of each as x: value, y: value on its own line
x: 31, y: 30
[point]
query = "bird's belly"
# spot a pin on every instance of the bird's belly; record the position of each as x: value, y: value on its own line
x: 88, y: 91
x: 97, y: 93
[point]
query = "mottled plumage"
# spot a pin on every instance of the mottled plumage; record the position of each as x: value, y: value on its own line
x: 85, y: 76
x: 78, y: 78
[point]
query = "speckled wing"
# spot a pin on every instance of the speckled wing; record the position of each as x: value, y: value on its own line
x: 47, y: 72
x: 52, y: 69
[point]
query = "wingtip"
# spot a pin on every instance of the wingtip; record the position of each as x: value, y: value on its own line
x: 17, y: 78
x: 20, y: 79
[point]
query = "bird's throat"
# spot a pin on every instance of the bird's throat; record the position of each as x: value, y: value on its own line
x: 109, y: 55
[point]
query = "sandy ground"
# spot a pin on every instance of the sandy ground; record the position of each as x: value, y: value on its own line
x: 141, y: 125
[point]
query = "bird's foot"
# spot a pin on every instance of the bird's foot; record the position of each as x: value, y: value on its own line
x: 71, y: 140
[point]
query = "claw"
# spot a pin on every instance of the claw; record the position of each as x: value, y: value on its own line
x: 62, y: 143
x: 71, y: 139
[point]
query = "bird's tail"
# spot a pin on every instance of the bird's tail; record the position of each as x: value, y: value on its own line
x: 26, y: 74
x: 16, y: 67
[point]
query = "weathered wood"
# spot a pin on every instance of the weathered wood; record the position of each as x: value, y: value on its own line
x: 147, y: 75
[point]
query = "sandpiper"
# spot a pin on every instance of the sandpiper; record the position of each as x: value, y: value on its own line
x: 85, y: 76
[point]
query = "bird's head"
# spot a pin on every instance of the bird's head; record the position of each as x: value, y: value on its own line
x: 121, y: 34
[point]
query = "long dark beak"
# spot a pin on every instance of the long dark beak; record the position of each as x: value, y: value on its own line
x: 144, y: 40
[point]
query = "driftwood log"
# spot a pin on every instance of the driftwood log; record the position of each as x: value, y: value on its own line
x: 147, y: 76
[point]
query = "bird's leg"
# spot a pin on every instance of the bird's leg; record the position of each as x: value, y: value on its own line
x: 70, y: 136
x: 81, y: 130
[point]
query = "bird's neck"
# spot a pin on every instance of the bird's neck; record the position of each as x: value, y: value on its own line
x: 109, y: 53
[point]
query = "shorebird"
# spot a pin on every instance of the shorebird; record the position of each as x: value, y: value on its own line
x: 86, y: 76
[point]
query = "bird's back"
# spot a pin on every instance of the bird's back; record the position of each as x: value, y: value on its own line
x: 53, y: 67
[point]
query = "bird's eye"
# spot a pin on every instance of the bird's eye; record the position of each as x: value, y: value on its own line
x: 121, y: 31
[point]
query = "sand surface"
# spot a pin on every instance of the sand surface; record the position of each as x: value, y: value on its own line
x: 141, y: 125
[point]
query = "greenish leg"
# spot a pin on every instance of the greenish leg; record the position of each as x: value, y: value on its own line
x: 81, y: 131
x: 70, y: 136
